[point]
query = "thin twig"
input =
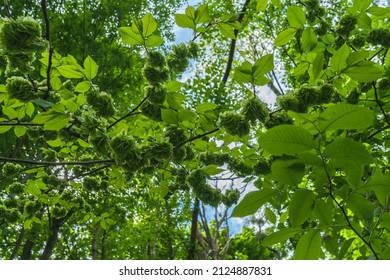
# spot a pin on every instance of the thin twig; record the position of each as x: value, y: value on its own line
x: 380, y: 104
x: 90, y: 172
x: 197, y: 137
x: 132, y: 112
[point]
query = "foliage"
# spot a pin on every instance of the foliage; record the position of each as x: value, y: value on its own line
x: 111, y: 154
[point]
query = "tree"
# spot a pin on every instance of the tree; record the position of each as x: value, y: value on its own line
x: 120, y: 164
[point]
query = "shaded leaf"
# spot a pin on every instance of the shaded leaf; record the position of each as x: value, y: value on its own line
x: 348, y: 150
x: 252, y: 202
x: 287, y: 139
x: 345, y: 116
x: 309, y: 246
x: 300, y: 207
x: 280, y: 236
x: 288, y: 171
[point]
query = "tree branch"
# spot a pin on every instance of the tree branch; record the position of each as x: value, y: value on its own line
x: 50, y: 163
x: 19, y: 124
x: 233, y: 45
x: 51, y: 50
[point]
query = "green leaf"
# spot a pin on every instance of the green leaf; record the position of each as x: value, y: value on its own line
x: 20, y: 131
x: 345, y: 116
x: 365, y: 71
x: 186, y: 115
x: 184, y: 21
x: 261, y: 5
x: 207, y: 106
x: 174, y: 100
x: 296, y: 16
x: 379, y: 12
x: 252, y: 202
x: 339, y: 59
x: 309, y: 39
x: 149, y: 25
x: 300, y: 207
x: 52, y: 120
x: 243, y: 73
x: 169, y: 116
x: 263, y: 65
x: 91, y: 68
x: 270, y: 215
x: 380, y: 184
x: 287, y: 139
x: 202, y: 14
x: 288, y: 171
x: 83, y: 86
x: 154, y: 41
x: 280, y: 236
x: 227, y: 30
x: 70, y: 72
x: 361, y: 5
x: 130, y: 37
x: 309, y: 246
x: 323, y: 211
x: 285, y: 36
x: 356, y: 57
x: 346, y: 149
x: 318, y: 64
x: 213, y: 169
x: 174, y: 86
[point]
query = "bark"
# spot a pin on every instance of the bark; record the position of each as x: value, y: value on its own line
x: 96, y: 235
x: 18, y: 244
x: 194, y: 227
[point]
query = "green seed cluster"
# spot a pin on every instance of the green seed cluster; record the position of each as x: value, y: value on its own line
x: 20, y: 39
x: 239, y: 167
x: 157, y: 94
x: 176, y: 135
x: 32, y: 207
x: 278, y: 118
x: 151, y: 111
x: 231, y: 197
x: 101, y: 102
x: 160, y: 150
x: 379, y: 36
x: 100, y: 142
x: 178, y: 60
x: 16, y: 188
x: 346, y: 25
x: 209, y: 158
x: 10, y: 169
x: 234, y: 123
x: 313, y: 10
x: 262, y: 166
x: 255, y: 110
x: 12, y: 216
x: 197, y: 180
x: 19, y: 88
x: 59, y: 212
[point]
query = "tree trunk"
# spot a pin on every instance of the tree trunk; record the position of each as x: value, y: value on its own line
x: 194, y: 227
x: 96, y: 235
x: 18, y: 244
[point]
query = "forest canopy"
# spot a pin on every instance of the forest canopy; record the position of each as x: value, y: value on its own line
x: 117, y: 142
